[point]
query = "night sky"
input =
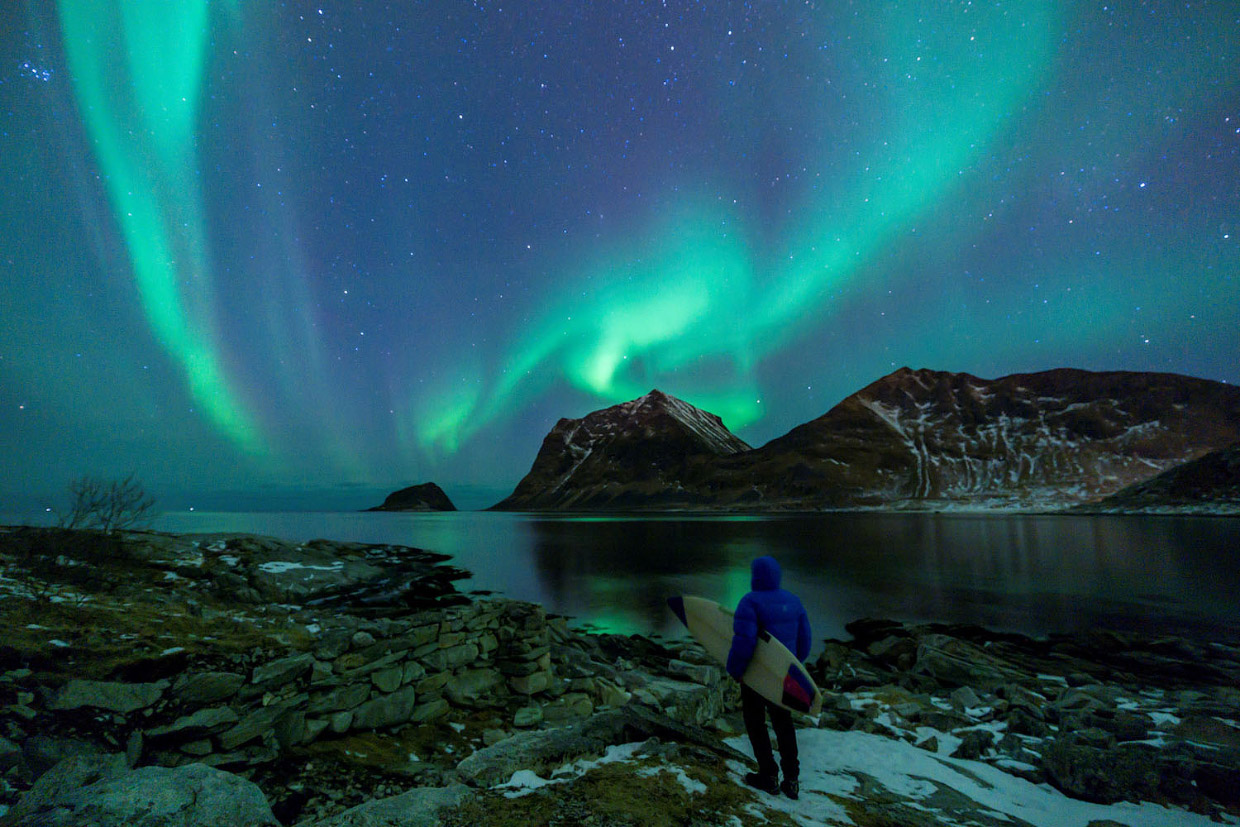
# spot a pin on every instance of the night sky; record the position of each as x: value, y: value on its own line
x: 291, y: 254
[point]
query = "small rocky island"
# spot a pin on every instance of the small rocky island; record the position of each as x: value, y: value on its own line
x: 229, y: 679
x: 425, y: 497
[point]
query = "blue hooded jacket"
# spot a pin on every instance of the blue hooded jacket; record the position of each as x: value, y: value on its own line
x: 767, y: 608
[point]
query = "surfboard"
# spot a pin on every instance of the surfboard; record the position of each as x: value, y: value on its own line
x: 773, y: 672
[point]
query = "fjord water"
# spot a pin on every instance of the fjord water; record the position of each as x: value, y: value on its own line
x: 1023, y: 573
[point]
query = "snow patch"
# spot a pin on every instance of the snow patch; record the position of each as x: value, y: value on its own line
x: 282, y: 566
x: 831, y: 759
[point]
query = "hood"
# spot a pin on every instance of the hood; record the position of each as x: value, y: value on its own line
x: 765, y: 574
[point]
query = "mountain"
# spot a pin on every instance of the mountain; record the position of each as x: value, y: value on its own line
x: 648, y: 453
x: 1207, y: 485
x: 1037, y: 440
x: 425, y: 497
x: 915, y: 438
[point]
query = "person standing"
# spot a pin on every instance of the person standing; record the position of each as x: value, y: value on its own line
x: 778, y: 612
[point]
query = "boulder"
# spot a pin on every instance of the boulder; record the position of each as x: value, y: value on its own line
x: 704, y: 674
x: 387, y: 680
x: 114, y: 697
x: 191, y: 727
x: 1103, y: 776
x: 277, y: 673
x: 528, y: 716
x: 205, y: 688
x: 442, y: 660
x: 430, y: 711
x: 342, y: 697
x: 102, y: 793
x: 416, y: 808
x: 258, y: 723
x: 974, y: 744
x: 10, y: 754
x: 470, y: 687
x: 541, y: 751
x: 386, y: 710
x: 953, y: 662
x: 41, y: 752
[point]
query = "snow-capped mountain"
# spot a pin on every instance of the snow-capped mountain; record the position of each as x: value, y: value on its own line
x: 915, y: 438
x: 643, y: 453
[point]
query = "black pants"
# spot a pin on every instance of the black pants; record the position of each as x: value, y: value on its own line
x: 754, y: 708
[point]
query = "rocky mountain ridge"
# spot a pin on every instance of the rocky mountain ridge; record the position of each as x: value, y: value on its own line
x: 913, y: 439
x: 632, y: 455
x: 1209, y: 484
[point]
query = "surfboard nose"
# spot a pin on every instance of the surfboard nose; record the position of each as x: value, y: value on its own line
x: 677, y: 605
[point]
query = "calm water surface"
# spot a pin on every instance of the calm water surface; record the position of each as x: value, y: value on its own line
x: 1032, y: 574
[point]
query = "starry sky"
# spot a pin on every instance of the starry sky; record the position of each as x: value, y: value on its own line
x: 293, y: 254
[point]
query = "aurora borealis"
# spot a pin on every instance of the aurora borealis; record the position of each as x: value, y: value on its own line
x: 317, y: 249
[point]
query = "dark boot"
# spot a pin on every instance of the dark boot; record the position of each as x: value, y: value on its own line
x: 766, y: 783
x: 791, y: 789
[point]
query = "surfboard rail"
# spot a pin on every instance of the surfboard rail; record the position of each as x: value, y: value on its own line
x: 773, y: 671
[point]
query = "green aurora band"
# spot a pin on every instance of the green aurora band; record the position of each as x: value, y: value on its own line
x: 137, y: 71
x: 693, y: 298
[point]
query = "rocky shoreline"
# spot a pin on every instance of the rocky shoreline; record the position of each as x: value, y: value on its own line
x: 340, y: 684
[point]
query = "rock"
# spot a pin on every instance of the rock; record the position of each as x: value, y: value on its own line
x: 290, y: 728
x: 931, y: 744
x: 433, y: 684
x: 965, y: 698
x: 442, y: 660
x: 114, y: 697
x: 425, y: 497
x: 430, y: 711
x: 470, y: 687
x: 953, y: 662
x: 1021, y: 722
x: 704, y: 674
x: 1208, y: 730
x: 386, y: 710
x: 490, y: 737
x: 191, y: 727
x: 361, y: 639
x: 387, y: 680
x: 277, y: 673
x: 530, y: 684
x: 10, y: 754
x: 205, y: 688
x: 541, y: 751
x: 333, y: 644
x: 683, y: 701
x: 258, y: 723
x: 342, y: 697
x: 1102, y: 776
x: 412, y: 671
x: 416, y: 808
x: 974, y: 744
x: 609, y: 694
x: 340, y: 722
x: 105, y: 796
x: 571, y: 706
x: 528, y: 716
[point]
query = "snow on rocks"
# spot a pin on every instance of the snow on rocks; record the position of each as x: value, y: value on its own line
x: 880, y: 775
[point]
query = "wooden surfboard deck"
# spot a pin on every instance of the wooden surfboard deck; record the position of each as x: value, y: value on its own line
x: 773, y: 672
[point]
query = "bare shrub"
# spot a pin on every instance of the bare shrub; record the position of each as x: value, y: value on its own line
x: 108, y: 506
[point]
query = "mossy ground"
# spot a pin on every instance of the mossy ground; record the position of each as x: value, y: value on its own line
x: 647, y: 792
x: 83, y: 607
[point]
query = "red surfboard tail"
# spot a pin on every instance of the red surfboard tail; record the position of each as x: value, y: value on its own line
x: 798, y: 691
